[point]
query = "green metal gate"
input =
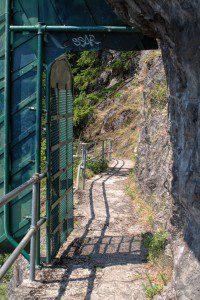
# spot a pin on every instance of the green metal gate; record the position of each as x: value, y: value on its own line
x: 60, y: 156
x: 32, y: 35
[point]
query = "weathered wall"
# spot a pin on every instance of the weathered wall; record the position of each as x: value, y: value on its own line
x: 177, y: 25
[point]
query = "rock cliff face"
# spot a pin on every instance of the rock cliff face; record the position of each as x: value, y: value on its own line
x: 177, y: 25
x: 154, y: 159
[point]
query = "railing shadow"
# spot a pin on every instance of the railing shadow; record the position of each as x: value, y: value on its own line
x: 98, y: 251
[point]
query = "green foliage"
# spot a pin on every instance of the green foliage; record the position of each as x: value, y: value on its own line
x: 132, y: 174
x: 158, y: 95
x: 3, y: 258
x: 155, y: 244
x: 86, y: 70
x: 117, y: 66
x: 83, y: 107
x: 117, y: 94
x: 6, y: 279
x: 131, y: 192
x: 123, y: 63
x: 163, y: 277
x: 89, y: 173
x: 98, y: 268
x: 127, y: 58
x: 87, y: 67
x: 43, y: 155
x: 151, y: 289
x: 43, y: 165
x: 3, y: 291
x: 97, y: 166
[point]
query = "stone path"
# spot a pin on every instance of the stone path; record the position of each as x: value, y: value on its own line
x: 104, y: 257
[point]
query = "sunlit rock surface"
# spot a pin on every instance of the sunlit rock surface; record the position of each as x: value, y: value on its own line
x: 177, y: 25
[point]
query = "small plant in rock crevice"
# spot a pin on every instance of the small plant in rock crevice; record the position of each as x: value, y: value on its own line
x: 158, y: 95
x: 159, y: 264
x: 98, y: 268
x: 151, y: 289
x: 155, y: 243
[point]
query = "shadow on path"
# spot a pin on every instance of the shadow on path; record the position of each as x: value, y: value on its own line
x: 96, y: 252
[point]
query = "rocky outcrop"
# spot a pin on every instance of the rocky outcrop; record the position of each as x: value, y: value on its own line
x: 116, y: 119
x: 154, y: 160
x: 177, y: 25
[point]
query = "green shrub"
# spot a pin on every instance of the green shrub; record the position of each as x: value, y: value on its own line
x: 155, y: 244
x: 87, y: 67
x: 97, y: 166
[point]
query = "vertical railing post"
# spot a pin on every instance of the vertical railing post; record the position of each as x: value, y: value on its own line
x: 39, y: 122
x: 103, y: 150
x: 109, y: 150
x: 78, y: 177
x: 84, y: 158
x: 34, y: 220
x: 48, y: 184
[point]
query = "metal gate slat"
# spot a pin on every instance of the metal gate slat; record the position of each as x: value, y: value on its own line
x: 61, y: 160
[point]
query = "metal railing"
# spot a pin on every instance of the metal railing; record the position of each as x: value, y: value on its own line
x: 87, y: 152
x: 34, y: 228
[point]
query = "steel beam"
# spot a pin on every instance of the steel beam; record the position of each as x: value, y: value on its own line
x: 61, y: 28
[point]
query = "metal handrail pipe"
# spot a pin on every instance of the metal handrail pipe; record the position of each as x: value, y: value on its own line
x: 41, y: 222
x: 14, y: 193
x: 10, y: 261
x: 84, y: 160
x: 75, y: 190
x: 42, y: 176
x: 56, y: 28
x: 78, y: 177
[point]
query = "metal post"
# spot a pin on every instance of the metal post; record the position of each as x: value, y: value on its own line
x: 103, y: 150
x: 33, y: 226
x: 12, y: 258
x: 109, y: 149
x: 38, y: 125
x: 48, y: 190
x: 84, y: 157
x: 78, y: 177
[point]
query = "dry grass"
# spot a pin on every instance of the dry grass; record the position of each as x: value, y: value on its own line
x: 158, y: 271
x: 142, y: 209
x: 125, y: 139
